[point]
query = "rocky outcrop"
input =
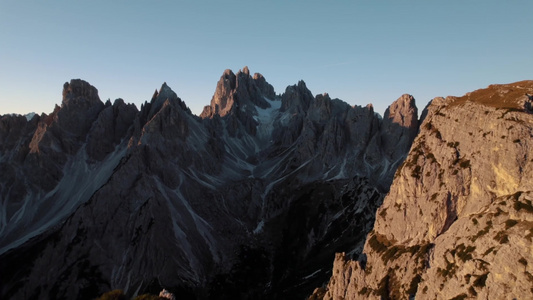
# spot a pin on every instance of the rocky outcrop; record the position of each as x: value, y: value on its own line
x: 238, y: 96
x: 258, y: 191
x: 457, y: 220
x: 110, y: 128
x: 55, y: 162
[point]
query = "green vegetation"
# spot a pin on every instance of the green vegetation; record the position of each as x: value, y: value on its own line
x: 516, y: 141
x: 474, y: 220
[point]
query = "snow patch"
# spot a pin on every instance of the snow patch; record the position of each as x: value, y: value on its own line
x: 259, y: 227
x: 265, y: 118
x: 312, y: 274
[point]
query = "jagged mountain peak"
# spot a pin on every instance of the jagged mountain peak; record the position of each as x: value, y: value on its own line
x: 276, y: 184
x: 403, y: 111
x: 240, y: 92
x: 297, y: 98
x: 78, y: 88
x: 164, y: 94
x: 456, y: 223
x: 246, y: 71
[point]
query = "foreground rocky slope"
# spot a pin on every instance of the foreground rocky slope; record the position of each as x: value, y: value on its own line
x: 249, y: 200
x: 458, y: 221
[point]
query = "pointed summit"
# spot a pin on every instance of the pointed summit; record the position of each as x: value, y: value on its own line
x: 160, y: 97
x: 246, y: 71
x: 297, y: 98
x: 238, y: 90
x: 400, y: 126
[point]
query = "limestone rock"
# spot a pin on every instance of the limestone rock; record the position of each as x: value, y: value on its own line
x: 110, y: 129
x: 457, y: 220
x: 260, y: 191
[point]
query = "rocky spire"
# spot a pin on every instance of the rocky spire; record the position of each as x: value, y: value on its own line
x: 297, y: 98
x: 238, y: 91
x: 400, y: 126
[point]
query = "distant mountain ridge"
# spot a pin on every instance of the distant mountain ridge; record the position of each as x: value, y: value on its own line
x: 253, y: 198
x: 250, y: 199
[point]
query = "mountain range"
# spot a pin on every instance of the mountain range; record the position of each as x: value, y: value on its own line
x: 258, y: 195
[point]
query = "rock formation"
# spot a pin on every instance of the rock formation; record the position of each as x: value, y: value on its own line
x: 457, y: 222
x: 249, y: 200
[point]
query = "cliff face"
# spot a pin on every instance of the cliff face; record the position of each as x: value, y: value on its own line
x: 249, y: 200
x: 458, y: 219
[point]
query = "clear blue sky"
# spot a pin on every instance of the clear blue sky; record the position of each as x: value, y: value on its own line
x: 359, y: 51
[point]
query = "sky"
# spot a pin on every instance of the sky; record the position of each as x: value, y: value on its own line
x: 358, y: 51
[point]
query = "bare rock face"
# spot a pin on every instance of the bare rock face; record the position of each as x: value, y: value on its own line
x: 265, y: 88
x: 400, y: 126
x: 222, y: 99
x: 110, y: 128
x: 457, y: 220
x: 259, y: 192
x: 238, y: 97
x: 58, y: 160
